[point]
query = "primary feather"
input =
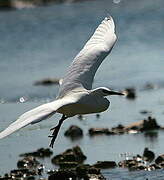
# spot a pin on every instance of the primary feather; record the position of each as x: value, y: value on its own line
x: 35, y: 115
x: 83, y: 68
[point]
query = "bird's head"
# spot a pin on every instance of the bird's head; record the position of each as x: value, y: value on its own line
x: 103, y: 91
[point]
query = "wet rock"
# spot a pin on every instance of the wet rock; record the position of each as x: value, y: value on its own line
x: 135, y: 126
x: 145, y: 112
x: 132, y: 164
x: 47, y: 82
x: 139, y: 162
x: 19, y: 173
x: 128, y: 163
x: 153, y: 167
x: 148, y: 155
x: 68, y: 165
x: 63, y: 175
x: 86, y: 171
x: 105, y: 164
x: 82, y: 170
x: 146, y: 125
x: 40, y: 169
x: 160, y: 159
x: 150, y: 124
x: 28, y: 162
x: 118, y: 129
x: 74, y: 132
x: 95, y: 177
x: 143, y: 125
x: 51, y: 171
x: 97, y: 116
x: 130, y: 93
x: 80, y: 117
x: 99, y: 131
x: 5, y: 177
x: 40, y: 153
x: 71, y: 155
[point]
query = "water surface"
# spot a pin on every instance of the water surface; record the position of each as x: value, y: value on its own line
x: 41, y: 42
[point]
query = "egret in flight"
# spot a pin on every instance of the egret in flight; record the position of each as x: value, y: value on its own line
x: 76, y: 96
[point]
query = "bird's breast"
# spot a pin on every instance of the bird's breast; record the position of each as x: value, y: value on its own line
x: 85, y: 105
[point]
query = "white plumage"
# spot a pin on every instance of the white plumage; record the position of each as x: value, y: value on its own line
x: 75, y: 94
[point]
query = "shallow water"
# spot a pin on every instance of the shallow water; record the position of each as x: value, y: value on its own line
x: 41, y: 42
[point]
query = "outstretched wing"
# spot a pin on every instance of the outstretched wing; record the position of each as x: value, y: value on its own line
x: 83, y: 68
x: 33, y: 116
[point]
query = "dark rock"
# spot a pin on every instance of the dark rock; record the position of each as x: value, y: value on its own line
x: 148, y: 155
x: 28, y: 162
x: 105, y: 164
x: 40, y: 169
x: 63, y: 175
x: 145, y: 112
x: 71, y: 155
x: 94, y: 170
x: 30, y: 178
x: 82, y: 170
x: 80, y: 117
x: 47, y: 82
x: 68, y: 165
x: 139, y: 167
x: 130, y: 93
x: 99, y: 131
x: 143, y: 125
x: 74, y: 132
x: 41, y: 153
x: 154, y: 166
x: 6, y: 177
x: 150, y: 124
x: 50, y: 172
x: 5, y: 4
x: 94, y: 176
x: 118, y: 129
x: 98, y: 115
x: 86, y: 171
x: 159, y: 159
x: 127, y: 163
x: 19, y: 173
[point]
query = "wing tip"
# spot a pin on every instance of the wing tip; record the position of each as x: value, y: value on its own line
x: 3, y: 134
x: 110, y: 20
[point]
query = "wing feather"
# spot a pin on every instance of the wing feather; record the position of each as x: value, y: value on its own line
x: 83, y: 68
x: 34, y: 116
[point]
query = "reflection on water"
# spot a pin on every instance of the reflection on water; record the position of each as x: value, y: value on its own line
x: 151, y: 136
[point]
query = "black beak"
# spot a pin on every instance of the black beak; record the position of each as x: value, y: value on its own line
x: 116, y: 93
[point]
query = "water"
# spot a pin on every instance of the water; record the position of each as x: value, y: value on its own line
x: 41, y: 42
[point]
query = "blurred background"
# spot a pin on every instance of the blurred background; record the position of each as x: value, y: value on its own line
x: 39, y: 39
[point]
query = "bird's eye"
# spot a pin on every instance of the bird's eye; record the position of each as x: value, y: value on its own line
x: 105, y: 91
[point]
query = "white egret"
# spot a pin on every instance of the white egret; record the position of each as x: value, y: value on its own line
x: 75, y: 95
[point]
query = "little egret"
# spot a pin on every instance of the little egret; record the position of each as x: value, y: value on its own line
x: 76, y: 95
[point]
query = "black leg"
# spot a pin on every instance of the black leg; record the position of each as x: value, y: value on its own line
x: 56, y: 131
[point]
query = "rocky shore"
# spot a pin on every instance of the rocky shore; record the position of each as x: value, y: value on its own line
x: 20, y: 4
x: 70, y: 165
